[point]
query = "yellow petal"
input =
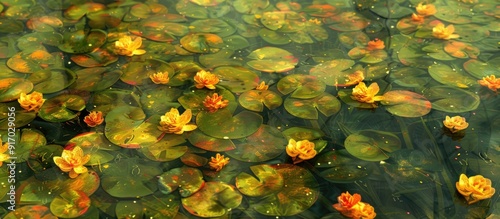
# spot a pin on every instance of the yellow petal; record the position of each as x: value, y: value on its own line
x: 80, y: 169
x: 62, y: 164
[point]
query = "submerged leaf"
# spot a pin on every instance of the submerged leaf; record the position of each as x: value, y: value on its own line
x: 372, y: 145
x: 263, y: 145
x: 61, y: 108
x: 267, y: 182
x: 187, y: 179
x: 213, y: 200
x: 406, y: 103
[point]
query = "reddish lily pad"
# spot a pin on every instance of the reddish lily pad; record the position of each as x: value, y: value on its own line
x: 342, y: 167
x: 96, y: 58
x: 333, y: 72
x: 256, y: 99
x: 168, y: 148
x: 95, y: 79
x: 61, y: 108
x: 222, y: 124
x: 127, y: 127
x: 138, y: 72
x: 213, y: 200
x: 372, y: 145
x: 445, y: 74
x: 267, y: 182
x: 83, y: 41
x: 406, y: 103
x: 187, y: 179
x: 70, y: 204
x: 461, y: 100
x: 348, y: 21
x: 308, y: 108
x: 44, y: 23
x: 52, y: 80
x: 130, y: 178
x: 11, y: 88
x: 237, y: 79
x: 272, y: 59
x: 461, y: 50
x: 263, y: 145
x: 301, y: 86
x: 205, y: 142
x: 29, y: 62
x: 202, y: 42
x: 29, y: 211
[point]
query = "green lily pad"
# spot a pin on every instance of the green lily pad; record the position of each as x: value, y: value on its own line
x: 237, y: 79
x: 274, y: 37
x: 22, y: 117
x: 168, y: 148
x: 223, y: 57
x: 96, y: 145
x: 30, y: 61
x: 471, y: 32
x: 348, y: 21
x: 406, y: 103
x: 75, y: 12
x: 263, y: 145
x: 333, y: 72
x: 202, y: 42
x: 342, y: 167
x: 212, y: 25
x: 189, y: 9
x: 301, y: 86
x: 8, y: 25
x: 130, y: 178
x: 272, y: 59
x: 127, y: 126
x: 138, y: 72
x: 461, y: 50
x: 95, y: 79
x: 52, y: 80
x: 61, y: 108
x: 36, y: 40
x: 480, y: 69
x: 29, y: 140
x: 267, y: 182
x: 250, y: 6
x: 44, y: 23
x: 83, y: 41
x: 411, y: 53
x: 159, y: 28
x: 153, y: 206
x: 109, y: 99
x: 308, y: 108
x: 299, y: 194
x: 187, y: 179
x: 11, y: 88
x: 447, y: 75
x: 205, y: 142
x: 70, y: 204
x: 108, y: 18
x: 301, y: 133
x: 256, y: 99
x: 236, y: 42
x: 390, y: 9
x: 410, y: 77
x: 461, y: 100
x: 160, y: 99
x: 7, y: 47
x: 372, y: 145
x: 222, y: 124
x: 96, y: 58
x: 213, y: 200
x: 194, y: 100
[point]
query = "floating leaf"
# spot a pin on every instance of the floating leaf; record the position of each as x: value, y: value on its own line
x: 138, y: 72
x: 410, y: 77
x: 451, y: 99
x: 333, y: 72
x: 451, y: 76
x: 205, y: 142
x: 342, y: 167
x: 30, y: 140
x: 167, y: 149
x: 237, y: 79
x: 372, y: 145
x: 194, y: 100
x: 70, y: 204
x: 406, y: 103
x: 29, y: 211
x: 461, y: 50
x: 11, y: 88
x: 159, y: 28
x: 130, y: 178
x: 202, y: 42
x: 52, y: 80
x: 274, y: 37
x: 223, y: 57
x: 256, y: 99
x: 96, y: 58
x: 263, y: 145
x: 222, y: 124
x: 29, y: 62
x: 61, y: 108
x: 160, y: 99
x: 212, y: 25
x: 126, y: 127
x: 390, y: 9
x: 12, y: 110
x: 8, y: 25
x: 301, y: 133
x: 83, y: 41
x: 187, y: 179
x: 272, y: 59
x: 236, y: 42
x: 75, y: 12
x: 107, y: 100
x: 44, y: 23
x: 308, y: 108
x: 345, y: 96
x: 348, y: 21
x: 213, y: 200
x: 302, y: 86
x: 96, y: 145
x: 471, y: 32
x: 249, y: 6
x: 480, y: 69
x: 153, y: 206
x: 95, y: 79
x: 267, y: 182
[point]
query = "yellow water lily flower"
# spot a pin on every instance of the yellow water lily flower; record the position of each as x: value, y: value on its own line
x: 94, y: 119
x: 160, y: 78
x: 214, y: 103
x: 4, y: 148
x: 31, y: 102
x: 351, y: 206
x: 375, y: 44
x: 300, y: 150
x: 72, y: 161
x: 218, y: 162
x: 173, y: 122
x: 417, y: 18
x: 491, y: 82
x: 205, y: 79
x: 364, y: 94
x: 425, y: 10
x: 474, y: 188
x: 455, y: 124
x: 126, y: 47
x: 444, y: 33
x: 262, y: 86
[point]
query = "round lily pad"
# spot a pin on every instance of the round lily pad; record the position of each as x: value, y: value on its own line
x: 11, y: 88
x: 95, y: 144
x: 302, y: 133
x: 138, y: 72
x: 70, y: 204
x: 202, y: 42
x: 263, y: 145
x: 222, y: 124
x: 96, y: 58
x: 109, y: 99
x: 267, y: 182
x: 340, y: 167
x: 461, y: 100
x: 61, y: 108
x: 22, y: 117
x: 187, y: 179
x: 249, y: 6
x: 272, y: 59
x: 410, y: 77
x: 44, y: 23
x: 237, y: 79
x: 372, y: 145
x: 194, y: 100
x: 274, y: 37
x: 30, y: 61
x: 308, y: 108
x: 160, y: 99
x: 212, y: 25
x: 348, y: 21
x: 213, y: 200
x: 223, y: 57
x: 153, y: 206
x: 256, y: 99
x: 445, y: 74
x: 30, y: 140
x: 333, y: 72
x: 480, y: 69
x: 205, y: 142
x: 52, y: 80
x: 406, y: 103
x: 83, y: 41
x: 75, y: 12
x: 159, y: 28
x: 168, y: 148
x: 8, y: 25
x: 95, y: 79
x: 301, y: 86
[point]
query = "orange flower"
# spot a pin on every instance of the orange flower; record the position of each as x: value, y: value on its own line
x: 72, y: 161
x: 160, y: 78
x: 301, y: 150
x: 375, y: 45
x: 173, y: 122
x: 31, y: 102
x: 218, y: 162
x: 205, y: 79
x: 455, y: 124
x: 126, y: 47
x: 425, y: 10
x: 417, y: 18
x: 214, y: 103
x: 490, y: 82
x: 364, y: 94
x: 4, y: 148
x: 262, y: 86
x: 94, y: 119
x: 444, y: 33
x: 474, y: 188
x: 352, y: 207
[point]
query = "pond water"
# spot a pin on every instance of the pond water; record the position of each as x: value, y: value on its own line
x: 249, y: 109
